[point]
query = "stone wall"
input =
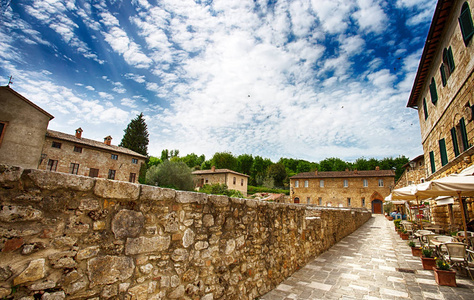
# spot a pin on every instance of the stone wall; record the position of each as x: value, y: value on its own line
x: 73, y: 237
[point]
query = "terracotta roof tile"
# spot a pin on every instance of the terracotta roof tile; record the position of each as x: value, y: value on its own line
x: 345, y: 174
x: 217, y: 171
x: 91, y: 143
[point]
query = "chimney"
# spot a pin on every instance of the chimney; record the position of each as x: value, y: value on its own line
x: 377, y: 168
x: 347, y: 170
x: 316, y: 172
x: 108, y: 140
x: 79, y: 132
x: 356, y: 172
x: 213, y: 169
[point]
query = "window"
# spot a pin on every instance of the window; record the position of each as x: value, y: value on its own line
x: 297, y: 183
x: 348, y: 201
x: 363, y: 202
x: 134, y: 161
x: 447, y: 67
x: 455, y: 141
x: 346, y: 183
x: 77, y: 149
x: 465, y: 22
x: 321, y: 183
x: 52, y: 165
x: 425, y: 109
x: 433, y: 92
x: 442, y: 152
x: 111, y: 174
x: 56, y: 145
x: 234, y: 181
x: 320, y: 201
x: 241, y: 182
x: 366, y: 183
x: 114, y: 156
x: 306, y: 183
x: 308, y: 200
x: 432, y: 162
x: 297, y: 200
x: 94, y: 172
x: 133, y: 176
x: 462, y: 135
x: 380, y: 182
x: 3, y: 128
x: 73, y: 168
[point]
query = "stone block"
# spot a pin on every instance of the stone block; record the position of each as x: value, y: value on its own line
x: 9, y: 174
x: 127, y: 223
x: 109, y: 269
x: 89, y: 204
x: 219, y: 200
x: 12, y: 244
x: 116, y: 189
x: 64, y: 259
x: 34, y: 271
x: 179, y: 255
x: 188, y: 238
x: 5, y: 273
x: 153, y: 193
x: 54, y: 296
x: 146, y: 244
x: 14, y: 213
x: 87, y: 253
x: 191, y: 197
x: 54, y: 180
x: 139, y: 292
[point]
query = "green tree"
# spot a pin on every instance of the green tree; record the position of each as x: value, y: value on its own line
x: 193, y: 161
x: 224, y: 160
x: 244, y: 163
x: 333, y: 164
x: 259, y: 170
x: 153, y: 161
x: 278, y: 173
x: 165, y: 155
x: 136, y: 136
x: 175, y: 175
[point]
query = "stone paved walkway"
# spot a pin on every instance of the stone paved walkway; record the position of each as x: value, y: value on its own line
x: 371, y: 263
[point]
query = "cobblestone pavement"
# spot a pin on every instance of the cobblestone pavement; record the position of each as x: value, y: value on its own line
x: 372, y: 263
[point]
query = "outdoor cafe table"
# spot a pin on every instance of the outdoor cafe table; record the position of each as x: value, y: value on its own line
x: 440, y: 240
x: 420, y: 234
x: 435, y: 228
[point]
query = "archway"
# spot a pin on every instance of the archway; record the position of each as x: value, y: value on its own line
x: 297, y: 200
x: 377, y: 203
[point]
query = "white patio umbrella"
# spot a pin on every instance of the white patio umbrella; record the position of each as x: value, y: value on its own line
x: 460, y: 185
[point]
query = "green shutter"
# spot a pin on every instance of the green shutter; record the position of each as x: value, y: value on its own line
x: 465, y: 141
x: 443, y: 75
x: 432, y: 162
x: 455, y: 141
x: 425, y: 109
x: 465, y: 21
x: 434, y: 94
x: 442, y: 152
x: 450, y: 57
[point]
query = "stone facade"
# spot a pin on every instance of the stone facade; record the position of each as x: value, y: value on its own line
x: 75, y: 237
x: 22, y: 129
x: 365, y: 189
x: 234, y: 180
x: 77, y: 155
x: 446, y: 117
x: 414, y: 172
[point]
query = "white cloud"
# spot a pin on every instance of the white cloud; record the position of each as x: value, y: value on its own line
x: 128, y: 102
x: 371, y: 16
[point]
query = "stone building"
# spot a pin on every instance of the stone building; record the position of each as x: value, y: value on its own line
x: 444, y: 97
x: 80, y: 156
x: 415, y: 172
x: 365, y: 189
x: 234, y: 180
x: 22, y: 129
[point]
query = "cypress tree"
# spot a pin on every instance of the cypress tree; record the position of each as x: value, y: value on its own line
x: 136, y: 136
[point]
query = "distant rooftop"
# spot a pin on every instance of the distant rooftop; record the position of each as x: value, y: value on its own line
x: 91, y: 143
x: 217, y: 171
x: 345, y: 174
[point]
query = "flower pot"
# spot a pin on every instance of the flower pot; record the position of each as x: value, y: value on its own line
x: 404, y: 236
x: 416, y: 251
x: 428, y: 263
x: 445, y: 277
x: 390, y: 218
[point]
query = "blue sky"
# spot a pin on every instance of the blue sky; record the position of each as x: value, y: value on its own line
x: 306, y: 79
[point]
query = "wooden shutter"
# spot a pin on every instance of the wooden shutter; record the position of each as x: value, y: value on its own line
x: 455, y: 141
x: 465, y: 22
x: 425, y: 109
x: 442, y: 151
x: 450, y: 58
x: 444, y: 79
x: 465, y: 141
x: 434, y: 94
x: 432, y: 162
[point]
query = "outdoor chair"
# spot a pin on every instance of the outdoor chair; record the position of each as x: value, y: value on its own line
x: 444, y: 239
x: 408, y: 227
x: 421, y: 234
x: 429, y: 244
x: 457, y: 255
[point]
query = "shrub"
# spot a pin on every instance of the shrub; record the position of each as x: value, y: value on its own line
x: 169, y: 174
x: 411, y: 244
x: 442, y: 265
x: 427, y: 252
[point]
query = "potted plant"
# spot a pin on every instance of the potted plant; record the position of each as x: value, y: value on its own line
x: 444, y: 275
x: 404, y: 235
x: 415, y: 251
x: 397, y: 224
x: 427, y: 260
